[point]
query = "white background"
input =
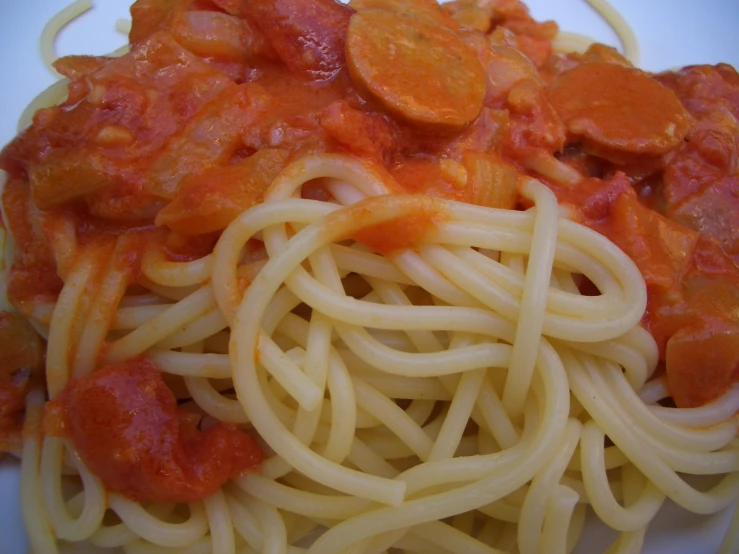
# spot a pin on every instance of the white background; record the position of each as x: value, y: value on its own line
x: 671, y: 33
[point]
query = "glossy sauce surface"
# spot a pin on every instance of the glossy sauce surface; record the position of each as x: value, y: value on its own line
x: 127, y: 428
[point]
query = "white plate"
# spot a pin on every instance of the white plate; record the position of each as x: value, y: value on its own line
x: 671, y: 33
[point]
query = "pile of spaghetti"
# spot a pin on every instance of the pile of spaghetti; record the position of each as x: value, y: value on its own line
x: 301, y: 276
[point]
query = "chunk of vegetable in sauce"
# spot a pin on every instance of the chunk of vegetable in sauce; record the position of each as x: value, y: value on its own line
x: 213, y: 198
x: 703, y: 359
x: 125, y: 424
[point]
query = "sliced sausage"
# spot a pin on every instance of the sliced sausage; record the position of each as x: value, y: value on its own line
x: 421, y: 71
x: 430, y: 10
x: 619, y: 108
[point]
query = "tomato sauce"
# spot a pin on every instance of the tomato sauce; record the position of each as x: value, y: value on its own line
x: 125, y: 424
x: 21, y: 362
x: 402, y: 233
x: 674, y: 211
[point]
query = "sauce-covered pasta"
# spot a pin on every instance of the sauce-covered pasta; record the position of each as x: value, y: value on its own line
x: 381, y: 276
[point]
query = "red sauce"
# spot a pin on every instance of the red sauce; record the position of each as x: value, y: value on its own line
x: 21, y: 360
x: 403, y: 233
x: 213, y: 198
x: 33, y: 277
x: 692, y: 285
x: 125, y: 424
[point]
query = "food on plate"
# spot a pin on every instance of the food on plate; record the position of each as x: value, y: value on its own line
x: 296, y: 275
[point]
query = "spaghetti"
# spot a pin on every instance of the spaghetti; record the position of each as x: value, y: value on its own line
x: 575, y: 42
x: 56, y: 24
x: 370, y: 352
x: 624, y: 31
x: 425, y: 368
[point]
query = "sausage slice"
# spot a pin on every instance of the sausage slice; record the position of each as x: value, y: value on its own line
x: 421, y: 71
x: 619, y: 108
